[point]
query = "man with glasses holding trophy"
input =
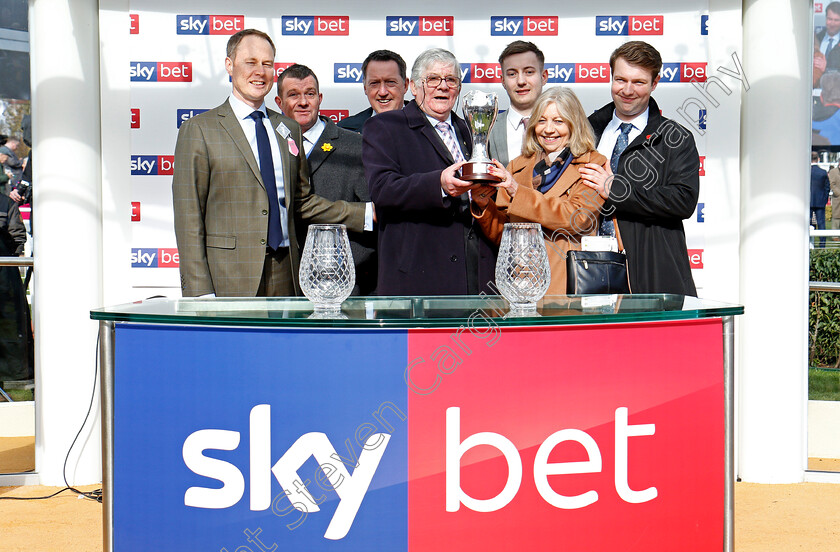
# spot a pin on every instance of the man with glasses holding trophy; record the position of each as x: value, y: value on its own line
x: 428, y: 241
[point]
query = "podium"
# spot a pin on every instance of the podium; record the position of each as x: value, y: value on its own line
x: 417, y: 424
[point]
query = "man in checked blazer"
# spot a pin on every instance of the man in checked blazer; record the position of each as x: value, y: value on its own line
x: 224, y: 222
x: 334, y: 156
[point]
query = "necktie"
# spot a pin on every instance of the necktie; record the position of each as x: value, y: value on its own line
x: 449, y: 141
x: 275, y: 228
x: 620, y: 145
x: 607, y: 227
x: 829, y: 46
x: 525, y: 124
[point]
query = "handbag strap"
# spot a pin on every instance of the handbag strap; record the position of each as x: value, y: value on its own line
x: 618, y: 234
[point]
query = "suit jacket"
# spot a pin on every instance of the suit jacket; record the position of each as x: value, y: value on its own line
x: 656, y: 187
x: 819, y: 187
x: 336, y: 173
x: 567, y: 212
x: 221, y: 206
x: 832, y: 58
x: 357, y: 121
x: 497, y: 143
x: 423, y: 236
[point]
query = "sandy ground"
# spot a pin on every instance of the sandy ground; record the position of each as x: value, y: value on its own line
x: 768, y: 518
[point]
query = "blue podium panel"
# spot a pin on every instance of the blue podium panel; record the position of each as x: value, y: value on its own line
x: 243, y: 439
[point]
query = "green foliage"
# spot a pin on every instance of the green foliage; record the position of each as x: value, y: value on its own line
x: 823, y: 385
x: 824, y: 310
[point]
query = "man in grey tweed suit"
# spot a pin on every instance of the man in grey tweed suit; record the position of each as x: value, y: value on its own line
x: 220, y: 197
x: 334, y: 156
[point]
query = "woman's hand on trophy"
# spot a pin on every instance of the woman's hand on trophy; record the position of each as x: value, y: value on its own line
x: 508, y: 183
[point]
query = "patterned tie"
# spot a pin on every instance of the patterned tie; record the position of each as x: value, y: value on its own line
x: 607, y: 226
x: 620, y: 145
x: 275, y: 228
x: 525, y: 125
x: 449, y: 140
x: 829, y: 46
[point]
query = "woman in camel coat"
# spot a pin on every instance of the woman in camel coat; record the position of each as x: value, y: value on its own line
x: 543, y: 184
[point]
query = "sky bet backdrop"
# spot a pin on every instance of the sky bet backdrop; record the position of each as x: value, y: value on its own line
x: 312, y: 447
x: 176, y: 54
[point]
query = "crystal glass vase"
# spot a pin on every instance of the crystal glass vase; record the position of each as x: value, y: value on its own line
x: 327, y: 274
x: 522, y: 269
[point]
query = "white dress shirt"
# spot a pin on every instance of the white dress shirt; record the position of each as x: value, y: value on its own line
x: 824, y: 44
x: 243, y: 115
x: 515, y: 133
x: 311, y: 136
x: 611, y: 132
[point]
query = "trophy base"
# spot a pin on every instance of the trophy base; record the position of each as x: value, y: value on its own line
x: 478, y: 171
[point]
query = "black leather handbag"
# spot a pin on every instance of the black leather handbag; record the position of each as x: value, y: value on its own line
x: 596, y: 272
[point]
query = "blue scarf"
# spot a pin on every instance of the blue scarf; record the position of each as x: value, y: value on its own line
x: 546, y: 176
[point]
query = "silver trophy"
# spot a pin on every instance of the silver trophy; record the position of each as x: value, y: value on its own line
x: 480, y: 111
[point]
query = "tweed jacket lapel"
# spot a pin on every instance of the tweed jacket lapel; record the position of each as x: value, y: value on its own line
x: 229, y: 122
x: 285, y: 154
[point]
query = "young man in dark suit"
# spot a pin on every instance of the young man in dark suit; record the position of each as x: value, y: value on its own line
x: 656, y: 169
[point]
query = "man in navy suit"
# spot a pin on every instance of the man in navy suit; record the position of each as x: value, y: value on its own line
x: 827, y: 54
x: 385, y: 83
x: 428, y: 243
x: 819, y: 193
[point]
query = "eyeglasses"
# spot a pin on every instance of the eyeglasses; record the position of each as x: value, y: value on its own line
x: 433, y: 81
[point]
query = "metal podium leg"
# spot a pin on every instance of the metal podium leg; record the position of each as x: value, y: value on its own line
x: 106, y: 363
x: 729, y: 439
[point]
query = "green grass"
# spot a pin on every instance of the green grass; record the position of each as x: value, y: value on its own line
x: 823, y: 384
x: 18, y: 395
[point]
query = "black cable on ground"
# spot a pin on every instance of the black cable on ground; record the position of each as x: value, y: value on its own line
x: 95, y: 494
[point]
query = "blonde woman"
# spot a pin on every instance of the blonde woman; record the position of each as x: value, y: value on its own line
x: 543, y: 184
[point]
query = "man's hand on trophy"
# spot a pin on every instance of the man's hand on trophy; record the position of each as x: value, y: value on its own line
x: 508, y: 183
x: 451, y: 184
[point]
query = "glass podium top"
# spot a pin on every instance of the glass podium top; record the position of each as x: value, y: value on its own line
x: 416, y: 312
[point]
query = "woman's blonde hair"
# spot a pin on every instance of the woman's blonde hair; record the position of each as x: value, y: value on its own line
x: 581, y: 139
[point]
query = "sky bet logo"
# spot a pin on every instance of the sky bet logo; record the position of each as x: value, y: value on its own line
x: 315, y: 25
x: 209, y: 24
x: 683, y: 72
x: 161, y: 71
x: 148, y: 165
x: 186, y: 114
x: 481, y: 72
x: 154, y: 258
x: 578, y: 72
x: 135, y: 117
x: 524, y: 26
x: 633, y: 25
x: 419, y: 26
x: 335, y: 115
x: 347, y: 72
